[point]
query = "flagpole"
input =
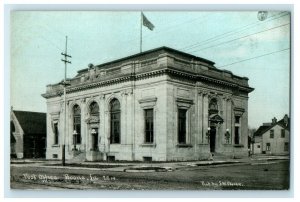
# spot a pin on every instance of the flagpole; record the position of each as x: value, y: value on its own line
x: 141, y: 33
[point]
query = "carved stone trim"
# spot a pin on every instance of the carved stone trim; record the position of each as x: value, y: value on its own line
x: 148, y: 145
x: 127, y: 92
x: 238, y: 111
x: 177, y: 73
x: 92, y: 119
x: 102, y: 96
x: 148, y: 102
x: 55, y: 115
x: 227, y: 97
x: 184, y: 103
x: 183, y: 100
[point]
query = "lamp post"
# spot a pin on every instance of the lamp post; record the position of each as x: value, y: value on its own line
x: 227, y: 136
x: 208, y: 141
x: 74, y: 139
x: 208, y: 134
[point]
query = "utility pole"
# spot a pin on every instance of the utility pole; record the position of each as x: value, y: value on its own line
x: 65, y: 60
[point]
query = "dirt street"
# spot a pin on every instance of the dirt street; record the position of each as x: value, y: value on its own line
x: 256, y: 176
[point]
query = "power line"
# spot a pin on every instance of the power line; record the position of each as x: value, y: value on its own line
x: 182, y: 23
x: 266, y: 30
x: 170, y: 27
x: 50, y: 42
x: 227, y: 34
x: 166, y: 29
x: 259, y: 56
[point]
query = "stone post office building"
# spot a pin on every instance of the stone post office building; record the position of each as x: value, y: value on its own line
x: 158, y: 105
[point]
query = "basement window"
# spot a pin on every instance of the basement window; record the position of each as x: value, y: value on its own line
x: 147, y: 158
x: 111, y: 158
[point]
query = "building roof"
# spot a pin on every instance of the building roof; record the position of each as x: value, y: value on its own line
x: 261, y: 130
x: 283, y: 124
x: 155, y: 62
x: 31, y: 122
x: 265, y: 127
x: 155, y: 50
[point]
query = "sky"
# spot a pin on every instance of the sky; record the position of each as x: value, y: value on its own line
x: 235, y: 41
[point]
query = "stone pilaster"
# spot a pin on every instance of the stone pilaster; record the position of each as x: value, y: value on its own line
x: 83, y: 125
x: 205, y: 116
x: 102, y: 125
x: 67, y: 141
x: 200, y: 131
x: 224, y: 116
x: 230, y: 123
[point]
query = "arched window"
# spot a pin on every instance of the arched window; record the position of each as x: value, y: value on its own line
x: 94, y: 109
x: 94, y: 114
x: 77, y: 123
x: 115, y: 121
x: 213, y: 106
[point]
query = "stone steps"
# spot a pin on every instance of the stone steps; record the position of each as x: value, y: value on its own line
x: 78, y: 157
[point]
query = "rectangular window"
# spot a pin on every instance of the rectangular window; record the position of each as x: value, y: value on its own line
x: 237, y: 119
x: 236, y: 135
x: 258, y: 146
x: 147, y: 159
x: 115, y: 122
x: 271, y: 133
x: 149, y: 132
x: 115, y: 128
x: 111, y: 158
x: 283, y: 133
x: 268, y: 146
x: 182, y: 126
x: 56, y: 133
x: 286, y: 146
x: 237, y: 129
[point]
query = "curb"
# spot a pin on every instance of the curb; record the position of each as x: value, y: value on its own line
x: 147, y: 169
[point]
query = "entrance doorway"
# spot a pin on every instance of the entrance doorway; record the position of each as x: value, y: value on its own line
x: 94, y: 134
x: 212, y: 139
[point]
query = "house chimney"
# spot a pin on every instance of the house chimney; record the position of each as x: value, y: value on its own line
x: 286, y: 119
x: 274, y: 120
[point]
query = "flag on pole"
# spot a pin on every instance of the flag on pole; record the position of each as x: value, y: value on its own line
x: 147, y: 23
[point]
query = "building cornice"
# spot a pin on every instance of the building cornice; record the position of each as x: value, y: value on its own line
x: 166, y: 71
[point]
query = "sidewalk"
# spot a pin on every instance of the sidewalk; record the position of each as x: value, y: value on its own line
x: 269, y: 157
x: 144, y: 166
